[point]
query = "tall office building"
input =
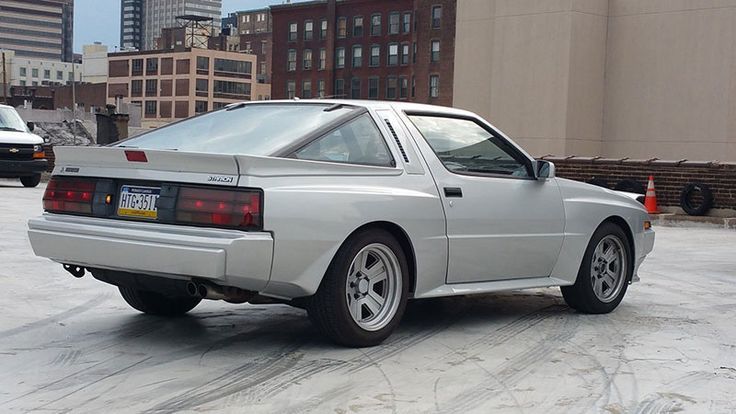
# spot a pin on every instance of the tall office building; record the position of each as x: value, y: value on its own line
x: 131, y: 24
x: 41, y: 29
x: 160, y: 14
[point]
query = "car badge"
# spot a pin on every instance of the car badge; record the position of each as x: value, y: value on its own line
x: 14, y: 150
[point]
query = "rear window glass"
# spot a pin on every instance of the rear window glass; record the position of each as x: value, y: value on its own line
x: 255, y: 129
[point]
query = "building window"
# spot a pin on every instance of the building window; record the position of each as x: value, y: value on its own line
x: 291, y: 89
x: 405, y: 54
x: 229, y: 66
x: 291, y: 61
x: 59, y: 75
x: 34, y: 72
x: 340, y: 57
x: 357, y: 56
x: 413, y: 86
x: 152, y: 66
x: 200, y: 107
x: 151, y: 107
x: 293, y: 30
x: 342, y: 27
x: 322, y: 59
x: 394, y: 23
x: 203, y: 63
x: 151, y: 87
x: 323, y: 30
x: 264, y: 47
x: 47, y: 74
x: 393, y: 54
x: 136, y: 87
x: 232, y: 90
x: 339, y: 88
x: 23, y: 72
x: 375, y: 56
x: 307, y: 59
x: 321, y: 88
x: 357, y: 26
x: 436, y: 17
x: 434, y: 86
x: 23, y: 83
x: 404, y: 84
x: 355, y: 88
x: 262, y: 70
x: 406, y: 22
x: 201, y: 87
x: 435, y: 55
x: 376, y: 25
x: 308, y: 30
x: 392, y: 86
x: 414, y: 53
x: 307, y: 89
x: 373, y: 88
x: 71, y: 76
x: 136, y: 66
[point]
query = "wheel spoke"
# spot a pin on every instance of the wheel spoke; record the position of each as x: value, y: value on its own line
x: 356, y: 309
x: 610, y: 279
x: 376, y: 270
x: 610, y: 253
x: 374, y: 302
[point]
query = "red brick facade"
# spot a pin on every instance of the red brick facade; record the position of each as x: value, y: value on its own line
x: 404, y: 69
x: 669, y: 176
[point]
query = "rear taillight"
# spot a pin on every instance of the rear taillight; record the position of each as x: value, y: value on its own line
x: 219, y: 208
x: 69, y: 195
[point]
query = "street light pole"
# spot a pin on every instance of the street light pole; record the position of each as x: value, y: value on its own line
x: 74, y: 103
x: 5, y: 80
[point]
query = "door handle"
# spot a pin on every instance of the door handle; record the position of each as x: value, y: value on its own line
x: 456, y: 192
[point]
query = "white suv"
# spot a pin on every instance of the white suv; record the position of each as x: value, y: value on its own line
x: 21, y: 152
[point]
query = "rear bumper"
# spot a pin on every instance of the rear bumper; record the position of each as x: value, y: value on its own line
x: 226, y: 257
x: 18, y: 168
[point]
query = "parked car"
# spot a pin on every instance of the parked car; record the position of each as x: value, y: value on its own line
x: 21, y: 152
x: 345, y: 208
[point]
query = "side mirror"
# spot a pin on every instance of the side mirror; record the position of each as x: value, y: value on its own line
x: 545, y: 169
x: 31, y: 126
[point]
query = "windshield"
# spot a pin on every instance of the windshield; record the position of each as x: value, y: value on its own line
x: 11, y: 121
x: 253, y: 129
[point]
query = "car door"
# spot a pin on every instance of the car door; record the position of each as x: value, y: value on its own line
x: 502, y: 222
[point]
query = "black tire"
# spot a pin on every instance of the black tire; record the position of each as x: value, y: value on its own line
x: 630, y: 186
x: 689, y: 205
x: 580, y: 296
x: 598, y: 182
x: 154, y: 303
x: 31, y: 181
x: 328, y: 308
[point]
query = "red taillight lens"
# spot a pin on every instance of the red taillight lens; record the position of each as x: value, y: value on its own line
x: 69, y: 195
x: 136, y: 156
x: 220, y: 208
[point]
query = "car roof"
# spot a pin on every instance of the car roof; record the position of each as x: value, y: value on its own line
x: 374, y: 105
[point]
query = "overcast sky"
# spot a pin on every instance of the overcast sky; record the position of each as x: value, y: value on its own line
x: 99, y: 20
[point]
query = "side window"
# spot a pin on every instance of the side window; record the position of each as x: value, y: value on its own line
x: 357, y: 142
x: 464, y: 146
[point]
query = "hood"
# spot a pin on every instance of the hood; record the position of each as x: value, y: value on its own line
x: 594, y: 191
x: 16, y: 137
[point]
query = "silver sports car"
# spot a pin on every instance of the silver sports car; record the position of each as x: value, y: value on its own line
x: 344, y: 208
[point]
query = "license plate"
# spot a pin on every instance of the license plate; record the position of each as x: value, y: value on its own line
x: 140, y: 202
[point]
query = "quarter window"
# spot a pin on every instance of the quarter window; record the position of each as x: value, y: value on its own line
x: 357, y: 142
x: 464, y: 146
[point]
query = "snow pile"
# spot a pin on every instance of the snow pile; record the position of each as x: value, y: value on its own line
x: 64, y: 133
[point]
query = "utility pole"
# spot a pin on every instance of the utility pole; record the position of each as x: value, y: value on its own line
x: 5, y: 80
x: 74, y: 102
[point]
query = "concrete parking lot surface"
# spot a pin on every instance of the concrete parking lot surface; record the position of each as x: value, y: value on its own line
x: 74, y: 345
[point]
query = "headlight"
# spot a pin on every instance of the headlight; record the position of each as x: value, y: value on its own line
x: 38, y: 152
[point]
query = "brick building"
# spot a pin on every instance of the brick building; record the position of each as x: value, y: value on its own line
x: 365, y: 49
x: 176, y: 84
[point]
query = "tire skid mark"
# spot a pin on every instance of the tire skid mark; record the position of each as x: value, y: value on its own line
x: 234, y: 381
x: 97, y: 300
x: 517, y: 367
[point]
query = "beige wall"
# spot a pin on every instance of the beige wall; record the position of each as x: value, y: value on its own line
x: 625, y: 78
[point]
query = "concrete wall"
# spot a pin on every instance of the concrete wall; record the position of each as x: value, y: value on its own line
x: 614, y: 78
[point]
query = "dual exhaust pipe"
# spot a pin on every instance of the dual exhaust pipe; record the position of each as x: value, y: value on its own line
x: 212, y: 291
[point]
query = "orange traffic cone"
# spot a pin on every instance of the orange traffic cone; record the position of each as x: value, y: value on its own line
x: 650, y: 199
